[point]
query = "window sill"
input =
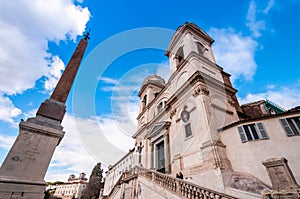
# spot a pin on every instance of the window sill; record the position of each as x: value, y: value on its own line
x: 187, y: 138
x: 256, y: 140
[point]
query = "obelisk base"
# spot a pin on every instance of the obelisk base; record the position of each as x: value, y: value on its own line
x: 16, y: 189
x: 22, y: 172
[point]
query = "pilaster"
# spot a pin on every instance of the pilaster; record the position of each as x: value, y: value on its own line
x: 167, y: 153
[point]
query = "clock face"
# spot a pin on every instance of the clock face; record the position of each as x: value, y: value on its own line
x: 185, y: 116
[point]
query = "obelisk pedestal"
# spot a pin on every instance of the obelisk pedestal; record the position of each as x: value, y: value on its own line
x: 22, y: 173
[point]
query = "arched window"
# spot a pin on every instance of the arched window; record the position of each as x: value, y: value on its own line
x: 179, y: 55
x: 144, y: 102
x: 200, y: 48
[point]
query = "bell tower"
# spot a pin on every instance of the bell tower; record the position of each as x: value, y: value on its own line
x: 22, y: 172
x: 151, y: 87
x: 187, y: 40
x: 203, y: 101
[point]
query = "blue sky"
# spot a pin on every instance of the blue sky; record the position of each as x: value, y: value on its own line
x: 255, y: 41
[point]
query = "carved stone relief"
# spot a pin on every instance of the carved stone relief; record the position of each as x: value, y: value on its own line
x: 200, y: 90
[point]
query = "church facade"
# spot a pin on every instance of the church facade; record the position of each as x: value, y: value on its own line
x: 194, y: 124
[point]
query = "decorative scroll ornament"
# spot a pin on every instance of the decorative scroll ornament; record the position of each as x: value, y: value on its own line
x: 172, y: 113
x: 200, y: 90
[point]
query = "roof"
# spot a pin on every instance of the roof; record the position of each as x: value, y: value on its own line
x: 154, y: 80
x: 188, y: 26
x: 295, y: 110
x: 261, y: 108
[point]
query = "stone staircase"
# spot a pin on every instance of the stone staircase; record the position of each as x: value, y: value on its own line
x: 177, y: 187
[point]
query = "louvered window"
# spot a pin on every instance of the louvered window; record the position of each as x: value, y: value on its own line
x: 252, y: 132
x: 291, y: 125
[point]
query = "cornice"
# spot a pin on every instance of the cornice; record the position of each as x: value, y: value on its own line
x: 36, y: 128
x: 150, y: 123
x: 265, y: 117
x: 189, y: 58
x: 199, y: 76
x: 181, y: 31
x: 124, y: 157
x: 139, y: 131
x: 144, y: 86
x: 161, y: 126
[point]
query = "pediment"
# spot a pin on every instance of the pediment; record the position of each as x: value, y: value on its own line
x: 157, y: 128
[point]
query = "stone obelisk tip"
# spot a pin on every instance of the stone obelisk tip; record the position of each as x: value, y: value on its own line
x: 64, y: 85
x: 54, y: 107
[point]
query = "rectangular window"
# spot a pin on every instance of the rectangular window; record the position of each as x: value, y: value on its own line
x: 252, y: 132
x: 188, y: 130
x: 291, y: 125
x: 140, y: 158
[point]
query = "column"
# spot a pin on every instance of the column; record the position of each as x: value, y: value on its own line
x: 151, y: 155
x: 167, y: 153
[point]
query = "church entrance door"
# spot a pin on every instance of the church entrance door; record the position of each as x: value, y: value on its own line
x: 160, y: 157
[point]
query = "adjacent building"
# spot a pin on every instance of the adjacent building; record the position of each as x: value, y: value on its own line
x: 194, y: 123
x: 72, y: 189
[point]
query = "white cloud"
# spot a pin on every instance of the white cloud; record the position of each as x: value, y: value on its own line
x: 7, y: 110
x: 79, y: 1
x: 125, y: 109
x: 54, y: 73
x: 108, y: 80
x: 112, y: 129
x: 86, y: 142
x: 270, y: 4
x: 6, y: 141
x: 20, y: 60
x: 125, y: 103
x: 255, y: 26
x: 163, y: 70
x: 25, y: 30
x: 271, y: 86
x: 118, y: 88
x: 70, y: 157
x: 235, y: 52
x: 286, y: 97
x: 124, y: 100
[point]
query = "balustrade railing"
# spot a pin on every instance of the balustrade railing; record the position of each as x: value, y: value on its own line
x: 180, y: 187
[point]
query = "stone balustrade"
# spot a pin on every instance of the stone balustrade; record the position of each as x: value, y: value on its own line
x: 143, y: 172
x: 180, y: 187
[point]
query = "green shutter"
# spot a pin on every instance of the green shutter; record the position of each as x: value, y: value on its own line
x: 286, y: 127
x: 262, y: 131
x: 242, y: 134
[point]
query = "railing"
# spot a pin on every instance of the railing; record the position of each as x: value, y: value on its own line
x: 115, y: 188
x: 180, y: 187
x: 143, y: 172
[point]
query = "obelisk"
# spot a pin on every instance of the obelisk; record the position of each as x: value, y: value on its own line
x: 22, y: 172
